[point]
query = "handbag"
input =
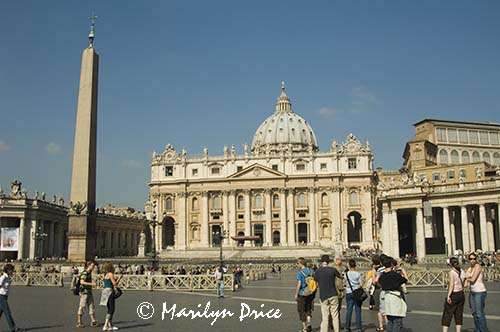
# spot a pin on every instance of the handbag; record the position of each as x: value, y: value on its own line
x: 117, y: 292
x: 359, y: 294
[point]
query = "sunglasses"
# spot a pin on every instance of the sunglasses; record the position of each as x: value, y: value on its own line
x: 472, y: 258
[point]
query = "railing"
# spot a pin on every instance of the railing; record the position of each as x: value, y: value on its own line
x: 38, y: 279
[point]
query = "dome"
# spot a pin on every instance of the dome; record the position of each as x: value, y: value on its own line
x: 284, y: 130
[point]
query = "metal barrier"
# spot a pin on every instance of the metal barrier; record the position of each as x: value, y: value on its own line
x: 38, y: 279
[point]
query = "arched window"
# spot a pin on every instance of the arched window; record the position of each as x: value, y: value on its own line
x: 194, y: 205
x: 241, y: 203
x: 258, y: 201
x: 465, y: 157
x: 486, y: 157
x: 169, y: 204
x: 353, y: 198
x: 324, y: 199
x: 276, y: 201
x: 496, y: 159
x: 443, y: 157
x: 475, y: 157
x: 454, y: 157
x: 301, y: 200
x: 216, y: 202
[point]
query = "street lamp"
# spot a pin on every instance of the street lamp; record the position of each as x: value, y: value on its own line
x: 153, y: 223
x: 40, y: 236
x: 219, y: 236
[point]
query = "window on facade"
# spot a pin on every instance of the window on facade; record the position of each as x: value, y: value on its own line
x: 300, y: 167
x: 462, y: 173
x: 418, y: 154
x: 473, y: 137
x: 258, y: 201
x: 241, y: 203
x: 215, y: 170
x: 324, y: 199
x: 239, y: 168
x: 241, y: 216
x: 276, y: 201
x: 169, y: 204
x: 454, y: 157
x: 452, y: 135
x: 465, y: 157
x: 483, y: 137
x: 496, y: 159
x: 216, y: 202
x: 462, y: 136
x: 216, y: 217
x: 301, y: 200
x: 194, y: 205
x: 443, y: 157
x: 302, y: 215
x: 494, y: 138
x: 353, y: 198
x: 352, y: 163
x: 451, y: 174
x: 475, y: 157
x: 276, y: 215
x: 169, y: 170
x: 435, y: 177
x: 486, y: 157
x: 322, y: 166
x: 275, y: 167
x: 441, y: 134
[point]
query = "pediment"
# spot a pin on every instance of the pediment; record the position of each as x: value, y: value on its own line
x: 256, y: 171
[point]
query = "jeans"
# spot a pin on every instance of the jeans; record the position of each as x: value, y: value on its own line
x: 330, y: 307
x: 4, y: 308
x: 220, y: 288
x: 477, y: 304
x: 395, y: 324
x: 351, y: 303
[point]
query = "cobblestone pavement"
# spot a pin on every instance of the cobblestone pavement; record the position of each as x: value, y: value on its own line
x: 53, y: 309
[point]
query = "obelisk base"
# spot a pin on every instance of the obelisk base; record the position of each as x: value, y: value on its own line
x: 81, y: 238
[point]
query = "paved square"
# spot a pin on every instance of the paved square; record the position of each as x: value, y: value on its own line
x: 54, y: 309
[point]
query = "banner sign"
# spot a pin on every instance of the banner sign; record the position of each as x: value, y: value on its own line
x: 9, y: 240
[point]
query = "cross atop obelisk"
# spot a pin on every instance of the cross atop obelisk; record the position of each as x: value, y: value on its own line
x: 92, y: 29
x: 82, y: 228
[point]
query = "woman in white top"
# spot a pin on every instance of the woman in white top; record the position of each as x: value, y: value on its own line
x: 478, y: 293
x: 455, y: 300
x: 4, y: 294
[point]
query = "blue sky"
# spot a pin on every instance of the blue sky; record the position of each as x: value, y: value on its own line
x: 207, y: 73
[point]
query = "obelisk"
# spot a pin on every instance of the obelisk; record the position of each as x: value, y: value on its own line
x: 82, y: 217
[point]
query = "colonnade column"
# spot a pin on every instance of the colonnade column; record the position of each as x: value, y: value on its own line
x: 182, y: 220
x: 291, y: 217
x: 395, y: 233
x: 385, y: 229
x: 312, y: 215
x: 465, y: 229
x: 453, y: 233
x: 247, y: 215
x: 471, y: 217
x: 22, y: 238
x: 447, y: 230
x: 420, y: 236
x: 204, y: 220
x: 483, y: 227
x: 32, y: 239
x: 232, y: 214
x: 491, y: 230
x: 50, y: 238
x: 283, y: 235
x: 269, y: 225
x: 225, y: 215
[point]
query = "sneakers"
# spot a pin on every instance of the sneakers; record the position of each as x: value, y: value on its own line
x: 79, y: 325
x: 113, y: 328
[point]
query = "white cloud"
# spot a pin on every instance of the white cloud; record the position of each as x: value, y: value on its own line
x: 132, y: 163
x: 362, y: 99
x: 53, y: 148
x: 328, y: 112
x: 4, y: 146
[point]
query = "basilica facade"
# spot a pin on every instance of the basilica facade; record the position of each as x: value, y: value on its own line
x: 282, y: 191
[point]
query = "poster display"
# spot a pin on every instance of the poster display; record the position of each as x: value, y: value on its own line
x: 9, y: 240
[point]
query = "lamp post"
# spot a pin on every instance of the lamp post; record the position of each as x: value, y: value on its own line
x: 153, y: 223
x: 219, y: 236
x: 40, y: 236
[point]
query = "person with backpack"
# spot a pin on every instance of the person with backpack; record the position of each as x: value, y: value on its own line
x: 86, y: 298
x: 304, y: 295
x: 326, y: 277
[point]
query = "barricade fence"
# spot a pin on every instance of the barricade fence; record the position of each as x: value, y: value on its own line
x: 38, y: 279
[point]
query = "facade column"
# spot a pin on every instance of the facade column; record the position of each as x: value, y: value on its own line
x: 334, y: 214
x: 465, y: 229
x: 22, y: 238
x: 447, y: 230
x: 291, y: 217
x: 453, y: 232
x: 472, y: 232
x: 385, y: 229
x: 182, y: 221
x: 483, y: 227
x: 248, y: 214
x: 283, y: 234
x: 225, y: 215
x: 420, y: 236
x: 367, y: 225
x: 232, y: 215
x: 395, y: 233
x: 312, y: 216
x: 269, y: 223
x: 204, y: 220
